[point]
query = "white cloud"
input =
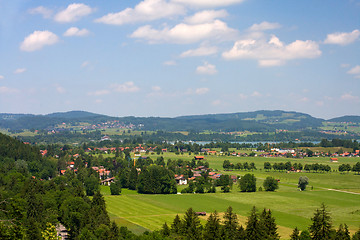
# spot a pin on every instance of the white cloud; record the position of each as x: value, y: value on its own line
x: 37, y: 40
x: 349, y: 97
x: 74, y: 31
x: 355, y: 70
x: 146, y: 10
x: 6, y: 90
x: 19, y: 70
x: 73, y: 13
x: 344, y: 65
x: 185, y: 33
x: 264, y: 26
x: 85, y: 64
x: 127, y: 87
x: 2, y: 77
x: 45, y: 12
x: 156, y: 88
x: 205, y: 16
x: 342, y: 38
x: 99, y: 93
x: 272, y: 52
x: 201, y: 91
x: 207, y: 68
x: 216, y: 102
x: 208, y: 3
x: 201, y: 51
x: 60, y: 89
x: 256, y: 94
x: 170, y: 63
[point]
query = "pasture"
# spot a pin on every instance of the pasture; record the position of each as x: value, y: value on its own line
x: 291, y: 208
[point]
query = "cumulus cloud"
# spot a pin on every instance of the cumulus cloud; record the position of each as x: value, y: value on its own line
x: 207, y: 68
x: 7, y: 90
x: 256, y: 94
x: 85, y: 64
x: 205, y: 16
x: 169, y: 63
x: 272, y: 52
x: 349, y: 97
x: 60, y: 89
x: 264, y: 26
x: 45, y: 12
x: 355, y: 70
x: 19, y: 70
x: 99, y: 93
x: 37, y: 40
x: 208, y: 3
x: 127, y: 87
x: 185, y: 33
x: 74, y: 31
x: 146, y: 10
x: 73, y: 13
x: 201, y: 51
x: 156, y: 88
x: 342, y: 38
x: 201, y: 91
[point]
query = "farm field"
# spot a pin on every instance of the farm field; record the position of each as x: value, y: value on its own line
x: 291, y: 208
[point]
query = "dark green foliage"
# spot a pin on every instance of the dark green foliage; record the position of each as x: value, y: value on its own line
x: 177, y: 225
x: 230, y: 225
x: 303, y: 182
x: 343, y: 232
x: 356, y: 235
x: 165, y: 231
x: 248, y: 183
x: 191, y: 225
x: 156, y: 180
x: 320, y: 228
x: 254, y: 230
x: 132, y: 178
x: 91, y: 185
x: 115, y: 188
x: 268, y: 225
x: 305, y: 235
x: 270, y: 184
x: 295, y: 235
x: 212, y: 229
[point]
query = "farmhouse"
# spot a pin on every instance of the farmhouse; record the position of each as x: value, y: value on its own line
x: 333, y: 160
x: 180, y: 180
x: 199, y: 158
x: 108, y: 181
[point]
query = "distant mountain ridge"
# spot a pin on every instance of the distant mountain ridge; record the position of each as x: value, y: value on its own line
x: 259, y: 121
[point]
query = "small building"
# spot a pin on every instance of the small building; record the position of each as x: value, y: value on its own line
x: 180, y: 180
x: 108, y: 181
x: 333, y: 160
x: 199, y: 157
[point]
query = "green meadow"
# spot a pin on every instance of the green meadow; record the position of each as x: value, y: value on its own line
x: 291, y: 207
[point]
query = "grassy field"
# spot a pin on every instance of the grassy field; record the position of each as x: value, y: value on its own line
x: 290, y: 207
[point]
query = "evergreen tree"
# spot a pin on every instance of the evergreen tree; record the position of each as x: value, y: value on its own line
x: 268, y: 225
x: 295, y: 235
x: 320, y: 228
x: 115, y: 188
x: 253, y: 226
x: 192, y: 227
x: 343, y: 232
x: 230, y: 226
x: 165, y: 231
x: 356, y: 235
x: 133, y: 176
x: 241, y: 233
x: 305, y: 235
x: 212, y: 227
x: 177, y: 225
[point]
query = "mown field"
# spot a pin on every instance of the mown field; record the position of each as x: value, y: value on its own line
x: 291, y: 207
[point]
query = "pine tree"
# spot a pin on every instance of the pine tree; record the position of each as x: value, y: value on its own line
x: 305, y: 235
x: 268, y: 225
x: 177, y: 225
x: 253, y: 226
x: 320, y: 229
x: 165, y: 231
x: 212, y: 227
x: 241, y: 234
x: 343, y: 232
x: 192, y: 226
x: 229, y: 229
x: 356, y: 235
x: 295, y: 235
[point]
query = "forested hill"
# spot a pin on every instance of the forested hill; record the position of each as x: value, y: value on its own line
x: 259, y: 121
x: 352, y: 119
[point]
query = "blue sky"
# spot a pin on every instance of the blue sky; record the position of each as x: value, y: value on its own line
x: 180, y: 57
